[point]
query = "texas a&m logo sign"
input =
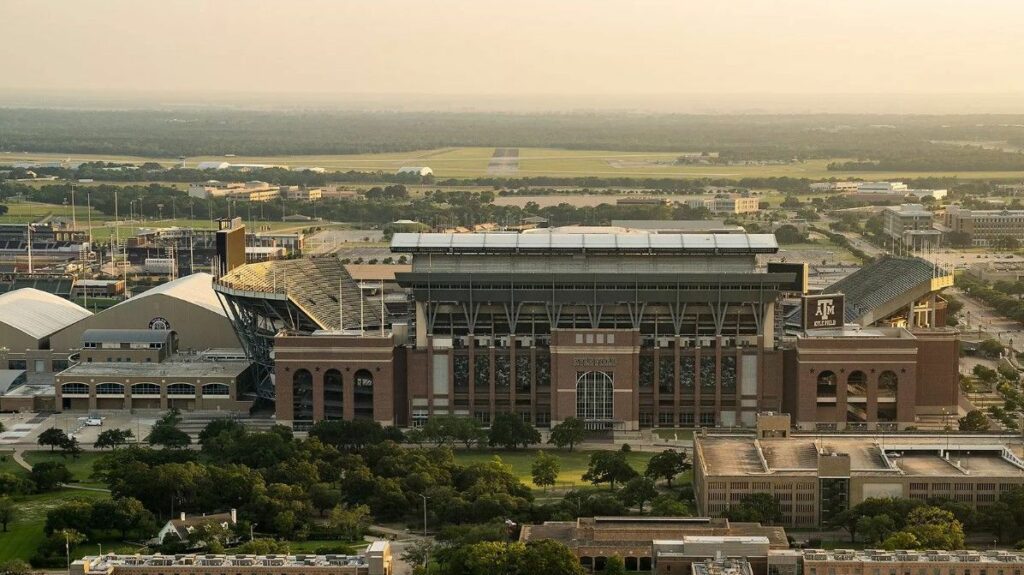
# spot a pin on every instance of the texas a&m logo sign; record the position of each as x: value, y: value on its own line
x: 823, y: 311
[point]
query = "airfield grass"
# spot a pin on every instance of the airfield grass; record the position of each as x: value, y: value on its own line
x: 472, y: 162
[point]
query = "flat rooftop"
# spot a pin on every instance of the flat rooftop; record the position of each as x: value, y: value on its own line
x: 102, y: 563
x: 922, y: 556
x: 546, y: 243
x: 641, y: 531
x: 911, y: 455
x: 176, y: 366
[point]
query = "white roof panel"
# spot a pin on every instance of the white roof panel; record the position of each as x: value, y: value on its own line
x: 501, y: 241
x: 698, y: 241
x: 633, y: 241
x: 732, y: 241
x: 37, y: 313
x: 599, y: 241
x: 196, y: 289
x: 405, y: 241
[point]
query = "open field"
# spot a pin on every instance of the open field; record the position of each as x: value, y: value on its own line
x: 26, y: 532
x: 573, y: 464
x: 473, y: 162
x: 80, y: 467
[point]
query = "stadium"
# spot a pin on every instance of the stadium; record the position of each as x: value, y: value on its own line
x: 626, y: 331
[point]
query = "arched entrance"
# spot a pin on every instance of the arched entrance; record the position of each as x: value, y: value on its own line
x: 595, y: 399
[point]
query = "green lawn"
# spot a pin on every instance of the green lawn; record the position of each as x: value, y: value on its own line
x: 26, y: 533
x: 80, y: 467
x: 573, y: 465
x: 8, y: 465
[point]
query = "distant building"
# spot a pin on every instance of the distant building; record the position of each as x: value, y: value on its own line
x: 998, y: 270
x: 884, y: 190
x: 725, y: 204
x: 98, y: 288
x: 301, y: 193
x: 839, y: 187
x: 252, y: 191
x: 213, y: 166
x: 912, y: 225
x: 417, y: 170
x: 985, y: 227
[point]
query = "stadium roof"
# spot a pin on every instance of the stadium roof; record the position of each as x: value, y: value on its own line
x: 37, y: 313
x: 541, y: 243
x: 884, y: 283
x: 312, y: 284
x: 195, y: 289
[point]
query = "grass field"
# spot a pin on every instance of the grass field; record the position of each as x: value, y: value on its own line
x: 473, y: 162
x: 80, y: 467
x: 26, y: 532
x: 573, y: 465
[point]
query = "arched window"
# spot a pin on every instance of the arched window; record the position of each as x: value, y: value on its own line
x: 827, y: 384
x: 857, y: 385
x: 302, y: 395
x: 334, y: 396
x: 216, y: 390
x: 887, y: 384
x: 594, y: 396
x: 181, y: 390
x: 74, y: 389
x: 362, y: 394
x: 145, y: 389
x: 109, y: 388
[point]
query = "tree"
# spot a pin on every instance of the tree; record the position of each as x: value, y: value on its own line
x: 666, y: 465
x: 756, y: 507
x: 614, y: 566
x: 70, y: 447
x: 544, y: 469
x: 350, y: 523
x: 209, y: 536
x: 975, y: 420
x: 165, y: 432
x: 568, y: 433
x: 609, y: 467
x: 53, y: 437
x: 262, y: 547
x: 8, y: 511
x: 789, y: 234
x: 510, y: 431
x: 48, y: 475
x: 531, y: 558
x: 875, y: 528
x: 324, y: 496
x: 638, y: 491
x: 901, y: 540
x: 669, y: 506
x: 113, y: 438
x: 985, y: 374
x: 935, y: 528
x: 991, y: 348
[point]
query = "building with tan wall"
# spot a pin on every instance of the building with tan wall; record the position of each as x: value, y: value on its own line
x: 816, y: 476
x: 376, y: 559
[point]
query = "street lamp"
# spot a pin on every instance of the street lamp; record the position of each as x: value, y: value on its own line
x: 424, y: 513
x: 251, y: 527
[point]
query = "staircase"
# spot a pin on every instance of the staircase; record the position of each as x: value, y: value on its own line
x: 194, y: 422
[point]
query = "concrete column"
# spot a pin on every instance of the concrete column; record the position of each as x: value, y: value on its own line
x: 421, y: 325
x: 318, y: 394
x: 768, y: 325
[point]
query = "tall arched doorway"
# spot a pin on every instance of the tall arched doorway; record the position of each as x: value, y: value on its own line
x: 595, y: 399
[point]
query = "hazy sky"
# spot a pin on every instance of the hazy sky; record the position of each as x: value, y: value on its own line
x: 514, y: 47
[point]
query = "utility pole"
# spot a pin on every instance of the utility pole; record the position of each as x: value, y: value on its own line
x: 28, y: 230
x: 382, y: 308
x: 74, y: 217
